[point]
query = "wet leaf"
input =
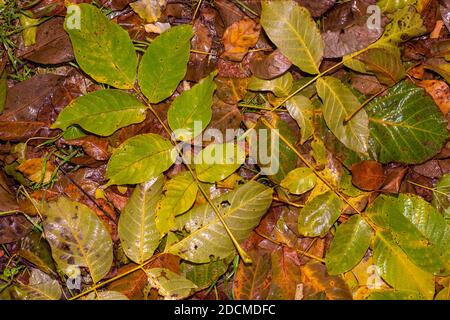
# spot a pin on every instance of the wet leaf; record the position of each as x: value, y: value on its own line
x: 38, y: 170
x: 140, y: 159
x: 441, y: 195
x: 253, y: 281
x: 286, y: 275
x: 368, y: 175
x: 396, y: 268
x: 294, y: 32
x: 205, y: 274
x: 114, y: 109
x: 269, y: 66
x: 167, y: 55
x: 302, y: 110
x: 338, y: 104
x: 420, y: 231
x: 317, y: 281
x: 191, y: 107
x: 40, y: 287
x: 350, y: 244
x: 218, y: 161
x: 239, y: 37
x: 299, y: 181
x: 102, y: 48
x: 13, y: 228
x: 281, y: 86
x: 52, y: 44
x: 241, y: 209
x: 137, y: 226
x: 106, y: 295
x: 169, y: 284
x: 149, y: 10
x: 405, y: 126
x: 319, y: 214
x: 78, y: 238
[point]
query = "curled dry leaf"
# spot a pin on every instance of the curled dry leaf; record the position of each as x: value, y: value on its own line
x: 368, y: 175
x: 239, y: 37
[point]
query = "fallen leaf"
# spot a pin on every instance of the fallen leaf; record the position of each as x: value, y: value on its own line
x: 439, y: 91
x: 368, y: 175
x: 239, y: 37
x: 38, y: 170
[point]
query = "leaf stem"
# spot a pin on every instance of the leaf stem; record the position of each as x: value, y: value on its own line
x: 245, y: 257
x: 350, y: 116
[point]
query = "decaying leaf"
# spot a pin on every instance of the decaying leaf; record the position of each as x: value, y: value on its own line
x: 239, y: 37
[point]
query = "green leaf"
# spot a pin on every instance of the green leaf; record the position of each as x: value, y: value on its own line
x: 394, y: 5
x: 274, y: 157
x: 385, y: 63
x: 241, y: 209
x: 218, y: 160
x: 281, y: 86
x: 73, y: 132
x: 170, y: 285
x: 441, y: 196
x: 102, y: 48
x: 350, y: 244
x: 182, y: 192
x: 78, y: 238
x: 102, y: 112
x: 397, y: 270
x: 319, y: 214
x: 418, y: 229
x: 406, y: 23
x: 164, y: 64
x: 180, y: 195
x: 140, y: 159
x: 299, y: 180
x: 192, y: 106
x: 291, y: 28
x: 405, y: 126
x: 205, y: 274
x: 302, y: 110
x: 137, y: 229
x: 338, y: 104
x: 394, y: 295
x: 40, y: 287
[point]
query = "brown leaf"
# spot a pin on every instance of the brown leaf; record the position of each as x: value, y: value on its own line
x: 225, y: 116
x: 229, y: 12
x: 252, y: 282
x: 7, y: 199
x: 317, y: 283
x: 439, y: 91
x: 239, y: 37
x: 394, y: 178
x: 269, y: 66
x: 13, y: 228
x: 115, y: 4
x: 52, y: 44
x: 21, y: 130
x: 445, y: 12
x: 31, y: 100
x: 38, y: 170
x: 231, y: 90
x: 368, y: 175
x: 318, y: 7
x: 367, y: 85
x: 286, y: 274
x: 94, y: 146
x: 429, y: 169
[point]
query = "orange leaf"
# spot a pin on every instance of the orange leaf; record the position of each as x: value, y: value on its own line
x: 440, y: 92
x: 239, y: 37
x: 37, y: 170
